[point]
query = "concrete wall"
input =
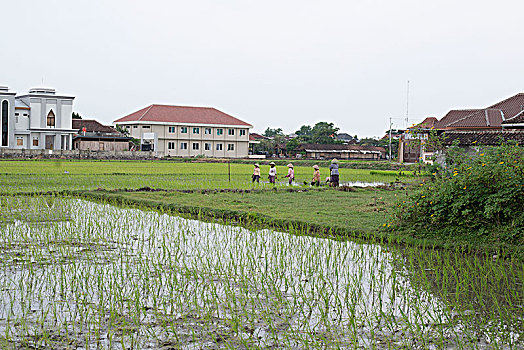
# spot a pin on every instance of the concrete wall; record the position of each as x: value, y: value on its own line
x: 76, y: 154
x: 96, y: 145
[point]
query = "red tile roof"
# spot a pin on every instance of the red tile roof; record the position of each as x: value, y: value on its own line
x: 254, y: 137
x: 510, y: 106
x: 181, y: 114
x: 485, y: 118
x: 518, y: 119
x: 428, y: 123
x: 453, y: 116
x: 92, y: 125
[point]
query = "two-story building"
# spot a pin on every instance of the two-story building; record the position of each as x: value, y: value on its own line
x: 40, y: 119
x: 180, y: 131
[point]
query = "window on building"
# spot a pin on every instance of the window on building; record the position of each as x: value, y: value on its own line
x: 19, y: 141
x: 17, y: 114
x: 172, y: 130
x: 5, y: 122
x: 146, y: 126
x: 51, y: 119
x: 170, y: 145
x: 207, y: 131
x: 242, y: 132
x: 183, y: 145
x: 135, y: 126
x: 230, y: 146
x: 183, y: 130
x: 25, y: 114
x: 196, y: 130
x: 195, y: 146
x: 207, y: 147
x: 219, y: 147
x: 231, y: 131
x: 220, y: 131
x: 35, y: 141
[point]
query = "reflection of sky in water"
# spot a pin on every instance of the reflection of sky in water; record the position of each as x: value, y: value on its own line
x: 107, y: 259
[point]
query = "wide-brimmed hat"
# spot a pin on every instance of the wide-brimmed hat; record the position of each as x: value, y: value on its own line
x: 290, y: 165
x: 335, y: 160
x: 256, y: 165
x: 271, y: 163
x: 315, y: 167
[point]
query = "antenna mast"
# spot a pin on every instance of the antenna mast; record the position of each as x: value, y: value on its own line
x: 407, y: 107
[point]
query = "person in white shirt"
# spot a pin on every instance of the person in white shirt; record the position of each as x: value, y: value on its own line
x: 290, y: 173
x: 272, y: 172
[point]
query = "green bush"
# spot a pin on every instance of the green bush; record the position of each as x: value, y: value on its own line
x: 476, y: 197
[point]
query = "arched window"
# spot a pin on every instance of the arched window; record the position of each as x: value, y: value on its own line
x: 51, y: 119
x: 5, y: 122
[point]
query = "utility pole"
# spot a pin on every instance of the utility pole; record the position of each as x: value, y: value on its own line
x: 390, y: 124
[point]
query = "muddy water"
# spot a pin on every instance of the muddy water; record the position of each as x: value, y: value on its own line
x: 75, y: 274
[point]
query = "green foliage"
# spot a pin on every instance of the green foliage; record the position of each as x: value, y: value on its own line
x: 476, y: 197
x: 273, y: 132
x: 322, y: 133
x: 122, y: 130
x: 75, y: 115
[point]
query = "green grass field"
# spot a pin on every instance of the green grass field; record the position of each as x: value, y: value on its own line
x: 39, y: 176
x: 123, y: 271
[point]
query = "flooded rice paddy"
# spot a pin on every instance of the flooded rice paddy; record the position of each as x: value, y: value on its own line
x: 80, y: 275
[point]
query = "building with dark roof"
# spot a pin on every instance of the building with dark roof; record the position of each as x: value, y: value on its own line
x: 349, y: 152
x: 94, y: 136
x: 183, y: 131
x: 502, y: 121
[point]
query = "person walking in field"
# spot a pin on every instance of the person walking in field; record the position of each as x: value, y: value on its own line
x: 272, y: 173
x: 256, y: 173
x: 290, y: 173
x: 316, y: 176
x: 333, y: 168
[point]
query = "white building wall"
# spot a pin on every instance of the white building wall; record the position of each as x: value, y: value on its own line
x: 66, y: 115
x: 36, y: 112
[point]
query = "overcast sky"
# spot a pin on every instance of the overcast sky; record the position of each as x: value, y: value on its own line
x: 271, y: 63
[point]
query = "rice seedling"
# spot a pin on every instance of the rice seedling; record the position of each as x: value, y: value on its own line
x: 76, y: 274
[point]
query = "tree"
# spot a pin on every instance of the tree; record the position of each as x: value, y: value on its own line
x: 324, y: 133
x: 75, y: 115
x: 273, y: 132
x: 122, y: 130
x: 292, y: 145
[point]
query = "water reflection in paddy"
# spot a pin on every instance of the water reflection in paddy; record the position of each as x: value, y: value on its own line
x: 99, y: 275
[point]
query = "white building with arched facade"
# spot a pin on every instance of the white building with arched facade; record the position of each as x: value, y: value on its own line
x: 40, y: 119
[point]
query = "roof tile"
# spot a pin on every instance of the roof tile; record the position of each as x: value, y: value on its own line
x: 182, y: 114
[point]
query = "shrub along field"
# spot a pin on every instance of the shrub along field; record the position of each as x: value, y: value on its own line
x: 478, y: 199
x: 120, y: 271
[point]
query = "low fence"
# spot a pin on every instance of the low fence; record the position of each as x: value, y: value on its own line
x: 74, y: 154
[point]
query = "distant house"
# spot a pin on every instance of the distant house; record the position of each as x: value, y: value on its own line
x: 92, y: 135
x: 346, y: 138
x: 188, y: 131
x: 348, y: 152
x: 503, y: 120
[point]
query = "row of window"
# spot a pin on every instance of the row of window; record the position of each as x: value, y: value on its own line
x: 196, y: 146
x: 207, y: 131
